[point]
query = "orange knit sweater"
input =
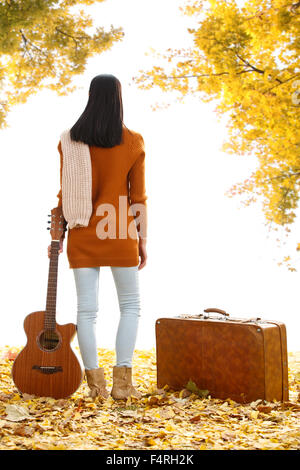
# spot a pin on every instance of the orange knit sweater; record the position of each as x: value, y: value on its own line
x: 117, y: 171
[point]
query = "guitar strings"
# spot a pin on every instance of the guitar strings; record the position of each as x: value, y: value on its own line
x: 49, y: 335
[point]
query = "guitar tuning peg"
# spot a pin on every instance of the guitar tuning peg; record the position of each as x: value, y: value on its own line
x: 48, y: 222
x: 48, y: 228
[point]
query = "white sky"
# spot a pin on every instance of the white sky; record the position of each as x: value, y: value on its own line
x: 204, y: 249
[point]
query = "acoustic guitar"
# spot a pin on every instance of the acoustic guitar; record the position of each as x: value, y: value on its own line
x: 47, y: 366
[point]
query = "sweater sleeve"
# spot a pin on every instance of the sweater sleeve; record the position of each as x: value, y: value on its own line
x: 59, y: 195
x: 137, y: 186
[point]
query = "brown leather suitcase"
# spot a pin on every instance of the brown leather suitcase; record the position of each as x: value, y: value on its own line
x: 242, y: 359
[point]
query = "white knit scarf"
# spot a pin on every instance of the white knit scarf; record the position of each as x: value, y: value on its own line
x: 76, y: 181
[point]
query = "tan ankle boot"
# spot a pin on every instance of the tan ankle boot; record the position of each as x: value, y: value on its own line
x: 122, y: 384
x: 97, y: 383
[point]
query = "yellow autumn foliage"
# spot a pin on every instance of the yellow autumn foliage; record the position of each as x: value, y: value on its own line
x: 161, y: 419
x: 43, y: 45
x: 246, y: 58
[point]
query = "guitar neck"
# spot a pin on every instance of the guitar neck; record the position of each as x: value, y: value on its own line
x: 50, y: 315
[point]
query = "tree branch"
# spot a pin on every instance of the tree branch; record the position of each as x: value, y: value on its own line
x: 208, y: 74
x: 75, y: 39
x: 281, y: 83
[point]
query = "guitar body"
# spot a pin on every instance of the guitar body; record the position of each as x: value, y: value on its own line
x: 47, y: 366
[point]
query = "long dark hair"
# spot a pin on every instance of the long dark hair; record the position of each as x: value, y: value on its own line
x: 101, y: 123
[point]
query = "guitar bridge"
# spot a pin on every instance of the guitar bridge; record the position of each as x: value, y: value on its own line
x: 48, y: 369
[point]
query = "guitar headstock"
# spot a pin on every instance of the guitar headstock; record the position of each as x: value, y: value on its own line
x: 58, y: 223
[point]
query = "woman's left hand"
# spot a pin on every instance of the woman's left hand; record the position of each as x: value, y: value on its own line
x: 61, y: 243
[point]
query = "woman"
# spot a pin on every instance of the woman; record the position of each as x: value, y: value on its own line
x: 117, y: 157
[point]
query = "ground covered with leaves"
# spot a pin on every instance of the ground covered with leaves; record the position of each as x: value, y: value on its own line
x: 161, y: 419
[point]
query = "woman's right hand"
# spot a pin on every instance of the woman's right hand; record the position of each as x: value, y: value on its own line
x: 61, y: 242
x: 142, y: 252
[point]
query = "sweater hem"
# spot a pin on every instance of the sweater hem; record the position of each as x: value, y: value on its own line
x: 87, y: 263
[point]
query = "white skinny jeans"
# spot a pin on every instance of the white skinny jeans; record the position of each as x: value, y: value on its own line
x: 87, y: 286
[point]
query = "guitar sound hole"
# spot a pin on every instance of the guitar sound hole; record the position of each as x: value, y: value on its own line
x: 49, y: 340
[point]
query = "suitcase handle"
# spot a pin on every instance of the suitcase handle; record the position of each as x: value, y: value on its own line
x: 216, y: 310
